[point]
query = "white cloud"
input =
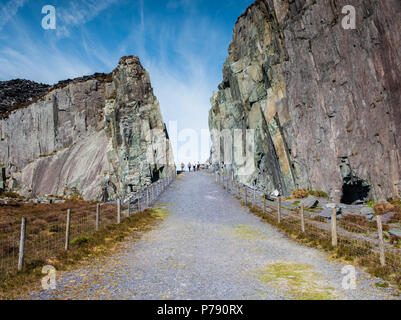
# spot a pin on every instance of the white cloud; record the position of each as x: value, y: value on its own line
x: 9, y: 10
x: 82, y: 11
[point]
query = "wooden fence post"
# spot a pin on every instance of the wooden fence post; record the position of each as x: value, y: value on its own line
x: 264, y: 203
x: 254, y: 197
x: 381, y: 241
x: 22, y: 245
x: 334, y: 241
x: 217, y: 177
x: 67, y: 231
x: 98, y: 217
x: 279, y: 210
x: 246, y: 195
x: 147, y: 196
x: 302, y: 218
x: 118, y: 210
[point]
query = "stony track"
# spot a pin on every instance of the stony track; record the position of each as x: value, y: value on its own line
x: 210, y: 247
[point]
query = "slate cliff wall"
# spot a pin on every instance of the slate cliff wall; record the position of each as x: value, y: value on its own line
x: 90, y: 136
x: 324, y: 101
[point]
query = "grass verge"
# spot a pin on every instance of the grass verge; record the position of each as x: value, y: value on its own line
x: 82, y: 250
x: 350, y: 251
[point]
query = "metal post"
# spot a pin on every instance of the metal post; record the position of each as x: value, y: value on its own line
x: 67, y: 230
x: 22, y: 245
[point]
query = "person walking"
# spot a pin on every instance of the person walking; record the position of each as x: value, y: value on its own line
x: 189, y: 166
x: 182, y: 166
x: 198, y: 166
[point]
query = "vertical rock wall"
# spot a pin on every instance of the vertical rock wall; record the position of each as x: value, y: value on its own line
x: 89, y: 137
x: 324, y: 101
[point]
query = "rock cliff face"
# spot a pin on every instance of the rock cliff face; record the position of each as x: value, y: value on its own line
x: 324, y: 101
x: 95, y: 136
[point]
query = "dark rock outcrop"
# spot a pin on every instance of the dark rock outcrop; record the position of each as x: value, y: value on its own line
x: 324, y: 101
x: 19, y: 91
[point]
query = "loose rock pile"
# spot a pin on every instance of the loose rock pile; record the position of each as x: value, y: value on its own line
x: 19, y: 91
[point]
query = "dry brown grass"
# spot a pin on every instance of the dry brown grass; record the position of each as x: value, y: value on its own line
x: 383, y: 208
x: 359, y: 224
x: 42, y: 214
x: 102, y: 243
x: 300, y: 194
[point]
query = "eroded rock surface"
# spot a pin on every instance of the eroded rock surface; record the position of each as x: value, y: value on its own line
x: 324, y: 101
x: 90, y: 136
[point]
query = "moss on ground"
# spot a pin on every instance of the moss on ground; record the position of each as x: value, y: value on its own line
x: 160, y: 213
x: 299, y: 281
x: 246, y: 232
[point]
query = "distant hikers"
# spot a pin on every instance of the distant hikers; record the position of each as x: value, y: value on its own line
x: 182, y: 166
x: 189, y: 166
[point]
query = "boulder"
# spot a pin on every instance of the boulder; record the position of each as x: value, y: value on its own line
x: 367, y: 212
x: 310, y: 202
x: 395, y: 232
x: 386, y: 217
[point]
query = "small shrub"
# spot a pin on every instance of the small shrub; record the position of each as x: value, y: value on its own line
x: 56, y: 228
x: 383, y: 208
x: 300, y: 194
x: 78, y: 241
x: 370, y: 203
x: 12, y: 195
x: 319, y: 194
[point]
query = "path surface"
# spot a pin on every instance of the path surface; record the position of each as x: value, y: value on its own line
x: 210, y: 247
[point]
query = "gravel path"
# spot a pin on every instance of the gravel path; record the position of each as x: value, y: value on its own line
x: 210, y: 247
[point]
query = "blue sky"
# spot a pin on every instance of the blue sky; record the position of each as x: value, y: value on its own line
x: 182, y: 43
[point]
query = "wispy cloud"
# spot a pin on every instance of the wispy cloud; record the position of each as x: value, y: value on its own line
x: 9, y: 10
x: 83, y: 11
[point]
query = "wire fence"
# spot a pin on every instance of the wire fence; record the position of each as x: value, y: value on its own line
x: 34, y: 240
x: 352, y: 238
